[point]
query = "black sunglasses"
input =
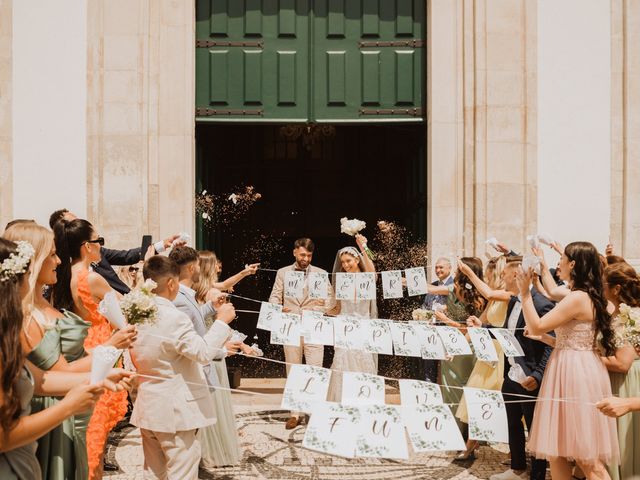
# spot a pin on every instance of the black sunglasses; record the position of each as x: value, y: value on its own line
x: 99, y: 241
x: 133, y: 269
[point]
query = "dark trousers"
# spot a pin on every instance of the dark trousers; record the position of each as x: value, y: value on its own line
x: 515, y: 412
x: 430, y: 370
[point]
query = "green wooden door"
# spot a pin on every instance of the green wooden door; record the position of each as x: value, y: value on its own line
x: 252, y: 60
x: 310, y: 60
x: 368, y: 60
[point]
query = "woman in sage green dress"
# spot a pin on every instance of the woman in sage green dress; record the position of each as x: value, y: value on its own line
x: 17, y: 434
x: 463, y: 301
x: 622, y: 289
x: 54, y: 341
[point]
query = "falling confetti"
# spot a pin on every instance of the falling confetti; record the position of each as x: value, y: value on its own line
x: 225, y: 209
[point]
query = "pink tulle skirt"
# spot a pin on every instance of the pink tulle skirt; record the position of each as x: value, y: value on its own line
x: 574, y: 429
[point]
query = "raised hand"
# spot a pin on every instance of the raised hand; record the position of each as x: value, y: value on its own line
x: 464, y: 268
x: 250, y: 269
x: 361, y: 240
x: 226, y: 313
x: 524, y: 281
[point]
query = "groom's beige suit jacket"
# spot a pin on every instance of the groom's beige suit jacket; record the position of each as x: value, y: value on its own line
x: 171, y: 348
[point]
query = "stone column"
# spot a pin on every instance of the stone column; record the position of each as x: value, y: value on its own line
x: 481, y: 123
x: 625, y: 129
x: 6, y: 105
x: 140, y: 118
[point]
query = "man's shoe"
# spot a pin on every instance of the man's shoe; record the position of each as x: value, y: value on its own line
x: 292, y: 423
x: 109, y: 467
x: 509, y: 475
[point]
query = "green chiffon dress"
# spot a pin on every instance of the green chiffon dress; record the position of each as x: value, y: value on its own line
x: 625, y: 385
x: 62, y: 453
x: 455, y: 372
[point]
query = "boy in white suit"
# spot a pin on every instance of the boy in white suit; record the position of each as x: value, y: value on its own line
x: 170, y: 411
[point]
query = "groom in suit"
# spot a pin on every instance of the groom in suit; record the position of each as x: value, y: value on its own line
x: 534, y: 362
x: 170, y: 410
x: 313, y: 354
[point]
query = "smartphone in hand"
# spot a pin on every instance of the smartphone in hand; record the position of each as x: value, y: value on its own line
x: 146, y: 243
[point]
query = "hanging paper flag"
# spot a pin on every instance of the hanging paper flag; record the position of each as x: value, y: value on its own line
x: 287, y: 330
x: 483, y: 344
x: 365, y: 286
x: 333, y: 429
x: 348, y: 333
x: 345, y: 286
x: 432, y: 346
x: 316, y: 328
x: 318, y: 285
x: 415, y: 392
x: 294, y: 285
x: 269, y: 313
x: 381, y: 433
x: 392, y: 284
x: 362, y: 389
x: 432, y: 428
x: 454, y: 341
x: 306, y: 387
x: 376, y: 335
x: 406, y: 340
x: 416, y: 281
x: 508, y: 341
x: 487, y: 415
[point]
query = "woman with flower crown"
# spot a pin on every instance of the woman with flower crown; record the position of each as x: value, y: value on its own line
x: 349, y: 260
x: 622, y: 289
x: 80, y: 290
x: 54, y: 340
x: 19, y: 428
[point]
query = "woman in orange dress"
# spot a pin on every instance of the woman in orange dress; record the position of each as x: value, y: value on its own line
x: 79, y: 289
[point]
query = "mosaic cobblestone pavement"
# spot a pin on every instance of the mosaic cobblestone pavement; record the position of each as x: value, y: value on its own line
x: 271, y: 452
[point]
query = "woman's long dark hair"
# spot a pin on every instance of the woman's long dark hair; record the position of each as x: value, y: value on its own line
x: 474, y: 302
x: 11, y: 354
x: 69, y: 237
x: 588, y: 276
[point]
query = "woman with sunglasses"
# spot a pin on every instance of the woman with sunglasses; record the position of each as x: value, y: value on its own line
x: 80, y: 290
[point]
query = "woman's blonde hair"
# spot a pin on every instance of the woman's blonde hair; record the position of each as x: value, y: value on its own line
x: 42, y: 240
x: 493, y: 272
x: 208, y: 274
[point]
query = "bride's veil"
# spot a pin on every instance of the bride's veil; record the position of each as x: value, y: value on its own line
x: 337, y: 268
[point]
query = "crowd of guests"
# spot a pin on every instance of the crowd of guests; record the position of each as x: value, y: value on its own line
x: 578, y: 361
x: 53, y: 423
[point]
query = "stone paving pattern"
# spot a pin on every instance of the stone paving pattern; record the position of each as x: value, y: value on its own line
x: 271, y: 452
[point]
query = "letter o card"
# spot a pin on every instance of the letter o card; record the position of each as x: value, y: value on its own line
x: 362, y: 389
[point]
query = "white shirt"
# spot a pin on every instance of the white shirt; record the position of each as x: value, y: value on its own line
x: 512, y: 322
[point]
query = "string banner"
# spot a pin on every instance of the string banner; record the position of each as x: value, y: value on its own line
x: 306, y: 387
x: 294, y: 284
x: 432, y: 428
x: 318, y: 285
x: 483, y: 344
x: 487, y: 415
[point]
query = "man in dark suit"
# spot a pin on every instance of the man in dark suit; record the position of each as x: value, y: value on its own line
x: 111, y: 257
x: 534, y: 362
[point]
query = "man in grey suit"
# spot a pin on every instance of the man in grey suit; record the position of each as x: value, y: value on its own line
x: 187, y: 260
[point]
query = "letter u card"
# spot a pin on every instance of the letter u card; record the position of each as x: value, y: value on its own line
x: 381, y: 433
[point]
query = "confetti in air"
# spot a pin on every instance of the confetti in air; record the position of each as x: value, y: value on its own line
x: 225, y: 209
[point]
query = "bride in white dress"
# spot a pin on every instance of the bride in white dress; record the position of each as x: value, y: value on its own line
x: 350, y: 260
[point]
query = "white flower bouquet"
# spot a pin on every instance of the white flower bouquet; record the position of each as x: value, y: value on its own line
x: 422, y: 314
x: 353, y: 227
x: 138, y: 305
x: 630, y: 319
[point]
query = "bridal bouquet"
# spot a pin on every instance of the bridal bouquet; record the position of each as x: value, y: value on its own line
x: 353, y: 227
x: 630, y: 321
x: 422, y: 314
x: 138, y: 305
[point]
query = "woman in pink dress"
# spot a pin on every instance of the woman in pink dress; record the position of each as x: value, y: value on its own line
x: 566, y: 423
